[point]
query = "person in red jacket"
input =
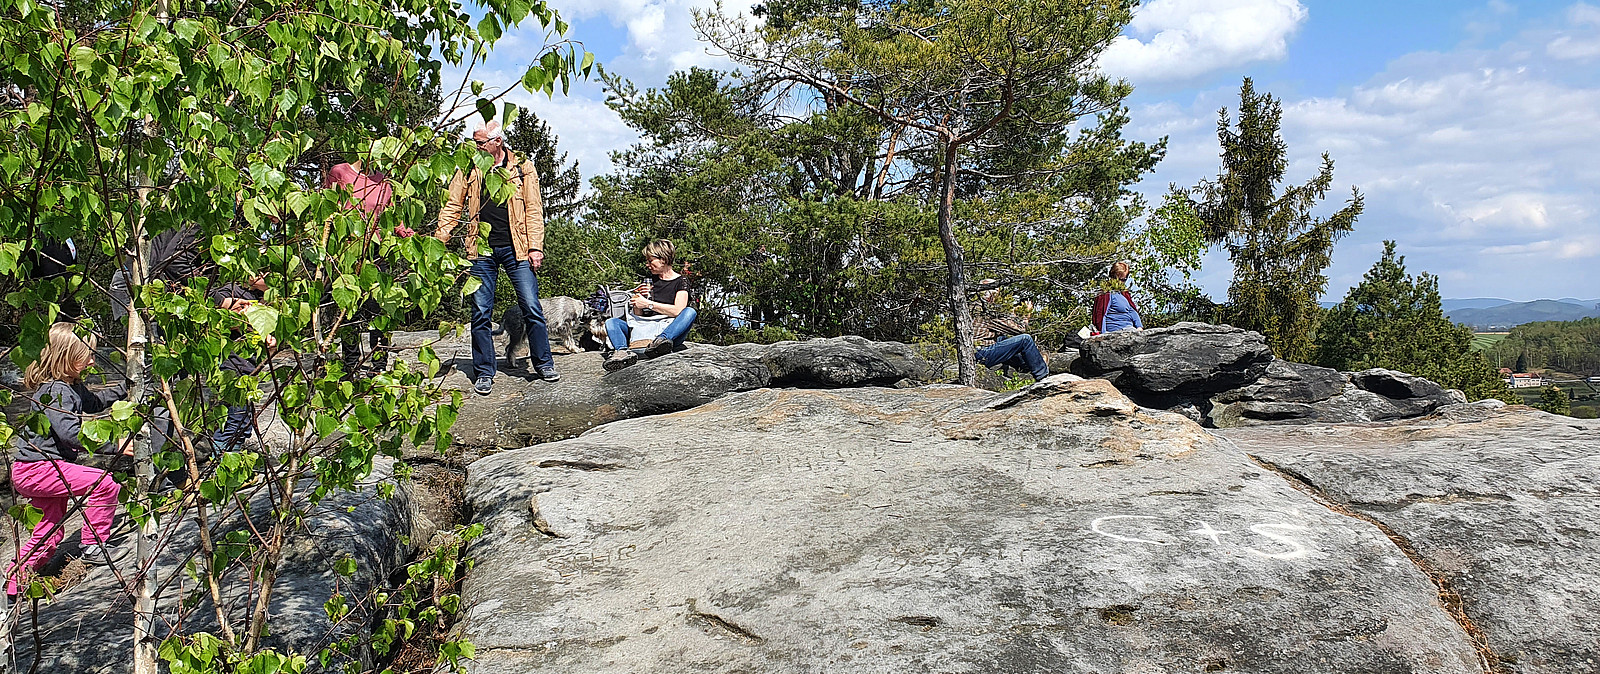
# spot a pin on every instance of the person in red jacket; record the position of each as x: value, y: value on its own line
x: 1114, y: 310
x: 371, y: 194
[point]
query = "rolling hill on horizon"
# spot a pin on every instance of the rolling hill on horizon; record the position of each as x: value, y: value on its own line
x: 1511, y: 314
x: 1450, y: 305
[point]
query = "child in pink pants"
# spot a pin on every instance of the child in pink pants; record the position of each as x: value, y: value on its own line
x: 43, y: 469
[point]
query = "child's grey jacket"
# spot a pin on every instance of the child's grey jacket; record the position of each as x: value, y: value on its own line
x: 64, y: 405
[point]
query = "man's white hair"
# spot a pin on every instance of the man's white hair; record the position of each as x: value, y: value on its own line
x: 491, y: 130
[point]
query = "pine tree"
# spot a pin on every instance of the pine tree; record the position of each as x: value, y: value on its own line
x: 1555, y: 401
x: 1280, y: 252
x: 1394, y: 320
x: 558, y: 182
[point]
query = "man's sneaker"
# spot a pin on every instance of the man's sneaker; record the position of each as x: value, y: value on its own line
x: 101, y: 555
x: 483, y: 385
x: 549, y: 374
x: 658, y: 347
x: 619, y: 359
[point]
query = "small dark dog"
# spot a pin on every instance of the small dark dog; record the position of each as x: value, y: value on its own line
x: 573, y: 325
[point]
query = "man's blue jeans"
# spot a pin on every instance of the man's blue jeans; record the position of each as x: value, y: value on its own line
x: 486, y: 269
x: 1019, y: 352
x: 235, y: 430
x: 617, y: 330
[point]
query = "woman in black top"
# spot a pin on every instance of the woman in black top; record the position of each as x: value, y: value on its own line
x: 659, y: 311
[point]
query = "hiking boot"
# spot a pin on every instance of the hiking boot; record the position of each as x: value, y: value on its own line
x: 549, y: 374
x: 483, y: 385
x: 619, y: 359
x: 658, y: 347
x: 101, y: 555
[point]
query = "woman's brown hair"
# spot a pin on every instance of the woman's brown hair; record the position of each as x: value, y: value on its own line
x: 1119, y: 270
x: 661, y: 249
x: 60, y: 358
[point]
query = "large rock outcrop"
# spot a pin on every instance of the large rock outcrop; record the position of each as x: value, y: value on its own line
x: 1501, y: 503
x: 1292, y: 393
x: 1185, y: 360
x: 1223, y: 376
x: 531, y: 412
x: 1056, y: 528
x: 89, y: 628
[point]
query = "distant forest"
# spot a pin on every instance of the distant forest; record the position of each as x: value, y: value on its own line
x: 1569, y: 346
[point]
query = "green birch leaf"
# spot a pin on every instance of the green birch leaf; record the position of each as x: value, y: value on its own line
x: 186, y: 29
x: 262, y: 317
x: 122, y: 410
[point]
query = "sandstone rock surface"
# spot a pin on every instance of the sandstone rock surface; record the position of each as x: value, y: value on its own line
x: 520, y: 413
x: 1501, y: 502
x: 1187, y: 359
x: 1056, y: 528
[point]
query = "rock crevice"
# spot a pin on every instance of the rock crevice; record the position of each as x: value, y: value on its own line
x: 1449, y: 597
x: 1461, y: 493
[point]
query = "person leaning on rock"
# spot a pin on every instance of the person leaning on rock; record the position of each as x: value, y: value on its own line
x: 515, y: 217
x: 1011, y: 343
x: 1114, y: 309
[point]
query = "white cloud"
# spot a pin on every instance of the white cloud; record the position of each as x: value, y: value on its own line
x: 1571, y: 249
x: 1176, y: 40
x: 659, y: 39
x: 660, y: 35
x: 1583, y: 44
x: 1478, y: 162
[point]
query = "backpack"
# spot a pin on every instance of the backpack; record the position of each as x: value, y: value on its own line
x: 608, y: 303
x: 52, y: 258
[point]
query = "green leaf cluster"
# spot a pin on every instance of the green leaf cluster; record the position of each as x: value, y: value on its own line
x: 122, y: 121
x: 1555, y: 401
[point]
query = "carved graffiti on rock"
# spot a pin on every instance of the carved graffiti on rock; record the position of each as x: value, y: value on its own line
x: 1152, y: 530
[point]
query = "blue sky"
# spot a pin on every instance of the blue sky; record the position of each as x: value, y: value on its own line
x: 1471, y: 127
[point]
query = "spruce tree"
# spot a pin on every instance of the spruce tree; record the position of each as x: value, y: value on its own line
x: 1394, y: 320
x: 1280, y: 252
x: 1555, y: 401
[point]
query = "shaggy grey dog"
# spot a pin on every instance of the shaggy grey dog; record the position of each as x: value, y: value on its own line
x: 573, y: 325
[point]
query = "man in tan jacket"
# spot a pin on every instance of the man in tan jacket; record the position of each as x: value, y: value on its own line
x: 514, y: 216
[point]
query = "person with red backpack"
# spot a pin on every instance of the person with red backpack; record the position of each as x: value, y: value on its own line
x: 1114, y: 309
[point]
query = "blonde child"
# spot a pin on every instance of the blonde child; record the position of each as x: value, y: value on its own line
x: 44, y: 469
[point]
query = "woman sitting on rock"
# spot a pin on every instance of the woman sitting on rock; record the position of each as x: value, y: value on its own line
x: 1114, y: 309
x: 659, y: 316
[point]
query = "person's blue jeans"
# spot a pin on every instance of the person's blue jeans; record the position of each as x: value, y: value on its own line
x: 234, y: 431
x: 617, y: 330
x: 1019, y: 352
x: 486, y: 268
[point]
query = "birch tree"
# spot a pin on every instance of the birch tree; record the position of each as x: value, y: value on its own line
x: 123, y: 120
